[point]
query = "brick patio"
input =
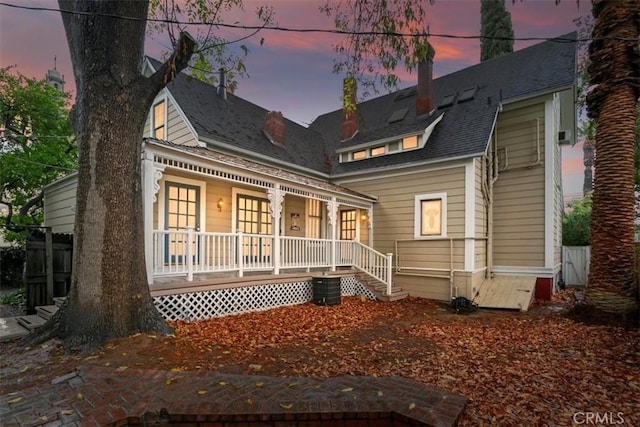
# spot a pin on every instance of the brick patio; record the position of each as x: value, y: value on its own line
x: 101, y: 396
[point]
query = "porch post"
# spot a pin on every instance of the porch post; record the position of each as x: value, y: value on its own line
x: 332, y: 213
x: 240, y: 245
x: 370, y: 226
x: 276, y: 197
x: 151, y: 175
x: 189, y: 254
x: 389, y: 272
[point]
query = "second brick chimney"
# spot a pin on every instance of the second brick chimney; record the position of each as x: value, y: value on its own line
x: 349, y: 108
x: 424, y: 99
x: 274, y: 127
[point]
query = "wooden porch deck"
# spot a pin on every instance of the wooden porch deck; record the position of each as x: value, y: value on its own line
x: 510, y: 292
x: 170, y: 285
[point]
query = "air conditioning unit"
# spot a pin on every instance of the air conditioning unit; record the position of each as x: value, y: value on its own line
x: 564, y: 137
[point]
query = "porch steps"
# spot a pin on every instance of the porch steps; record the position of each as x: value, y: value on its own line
x: 379, y: 289
x: 15, y: 327
x: 31, y: 322
x: 46, y: 311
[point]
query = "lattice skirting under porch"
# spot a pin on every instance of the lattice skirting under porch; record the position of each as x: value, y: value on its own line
x: 193, y: 306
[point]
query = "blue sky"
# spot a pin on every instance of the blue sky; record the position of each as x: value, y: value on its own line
x: 292, y: 72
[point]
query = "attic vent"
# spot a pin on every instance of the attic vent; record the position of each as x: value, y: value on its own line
x: 405, y: 93
x: 398, y: 115
x: 448, y: 100
x: 468, y: 94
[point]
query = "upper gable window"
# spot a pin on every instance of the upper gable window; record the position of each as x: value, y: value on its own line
x: 159, y: 127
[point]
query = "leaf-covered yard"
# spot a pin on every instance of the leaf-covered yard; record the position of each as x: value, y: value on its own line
x: 534, y: 368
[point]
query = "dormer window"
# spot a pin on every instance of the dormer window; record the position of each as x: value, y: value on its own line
x: 159, y: 121
x: 410, y: 142
x: 378, y: 151
x: 389, y: 146
x: 358, y: 155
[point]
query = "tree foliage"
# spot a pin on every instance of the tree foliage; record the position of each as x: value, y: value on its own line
x: 576, y: 221
x: 36, y: 145
x: 372, y: 51
x: 212, y: 51
x: 496, y: 31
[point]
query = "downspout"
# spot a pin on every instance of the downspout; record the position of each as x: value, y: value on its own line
x: 488, y: 181
x: 538, y: 157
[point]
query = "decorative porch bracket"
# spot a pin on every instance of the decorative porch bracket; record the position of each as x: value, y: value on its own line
x: 151, y: 175
x: 276, y: 199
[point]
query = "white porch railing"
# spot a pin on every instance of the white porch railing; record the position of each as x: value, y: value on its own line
x: 366, y: 259
x: 185, y: 252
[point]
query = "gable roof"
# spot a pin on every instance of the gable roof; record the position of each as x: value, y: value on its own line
x: 470, y: 99
x: 467, y: 124
x: 234, y: 125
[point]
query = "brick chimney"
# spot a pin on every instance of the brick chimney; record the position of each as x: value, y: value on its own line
x: 349, y: 108
x: 274, y: 127
x: 424, y: 100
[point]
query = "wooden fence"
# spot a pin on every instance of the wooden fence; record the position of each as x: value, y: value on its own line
x: 575, y: 264
x: 47, y: 272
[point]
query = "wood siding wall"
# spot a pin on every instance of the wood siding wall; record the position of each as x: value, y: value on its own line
x: 393, y: 217
x: 178, y: 131
x: 518, y: 222
x: 60, y: 204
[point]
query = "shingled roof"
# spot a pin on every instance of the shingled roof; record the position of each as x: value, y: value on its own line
x: 234, y: 125
x: 467, y: 125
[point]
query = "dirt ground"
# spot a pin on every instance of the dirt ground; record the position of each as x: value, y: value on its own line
x: 534, y: 368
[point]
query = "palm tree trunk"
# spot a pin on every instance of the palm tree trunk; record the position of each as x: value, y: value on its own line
x: 612, y: 104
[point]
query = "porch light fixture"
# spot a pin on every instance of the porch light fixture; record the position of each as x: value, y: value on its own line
x: 220, y: 204
x: 364, y: 217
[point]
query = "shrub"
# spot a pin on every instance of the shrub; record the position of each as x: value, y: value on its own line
x: 11, y: 266
x: 576, y: 222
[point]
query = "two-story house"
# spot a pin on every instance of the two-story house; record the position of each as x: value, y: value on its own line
x: 451, y: 187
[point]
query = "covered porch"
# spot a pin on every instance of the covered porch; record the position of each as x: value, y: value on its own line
x: 208, y: 213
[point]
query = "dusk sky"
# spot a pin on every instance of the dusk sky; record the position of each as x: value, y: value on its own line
x: 292, y: 72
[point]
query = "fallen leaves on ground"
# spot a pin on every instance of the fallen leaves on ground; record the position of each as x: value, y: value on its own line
x: 534, y: 368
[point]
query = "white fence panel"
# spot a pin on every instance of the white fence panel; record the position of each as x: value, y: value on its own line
x: 575, y: 265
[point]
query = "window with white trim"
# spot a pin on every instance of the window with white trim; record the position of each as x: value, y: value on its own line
x: 314, y: 209
x: 348, y: 224
x: 159, y: 120
x: 430, y: 215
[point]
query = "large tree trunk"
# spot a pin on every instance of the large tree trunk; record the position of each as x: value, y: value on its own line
x: 109, y: 294
x: 612, y: 103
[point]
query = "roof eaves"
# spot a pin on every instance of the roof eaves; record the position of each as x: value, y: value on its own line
x: 391, y: 168
x: 544, y: 92
x: 379, y: 141
x: 270, y: 171
x: 234, y: 150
